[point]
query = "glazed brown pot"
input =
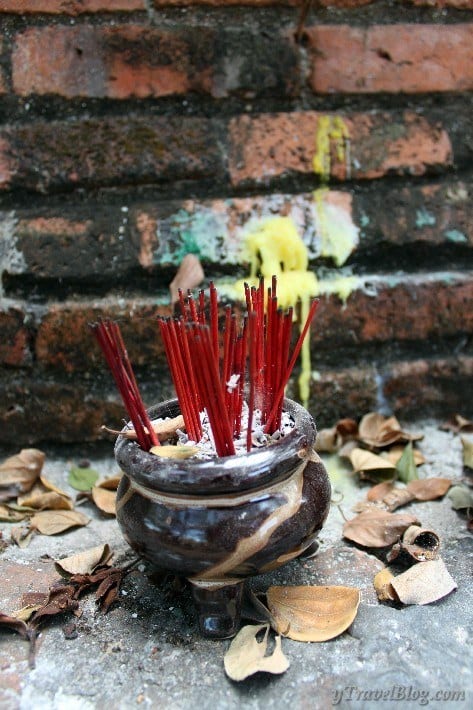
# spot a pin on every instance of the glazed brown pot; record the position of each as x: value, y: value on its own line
x: 218, y: 521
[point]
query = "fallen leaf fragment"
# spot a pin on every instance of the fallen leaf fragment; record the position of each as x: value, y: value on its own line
x: 378, y: 431
x: 331, y: 440
x: 82, y: 479
x: 307, y: 613
x: 174, y: 452
x: 382, y: 584
x: 377, y: 528
x: 406, y: 466
x: 110, y: 484
x: 53, y: 522
x: 417, y: 544
x: 366, y: 462
x: 14, y: 624
x: 189, y: 275
x: 60, y: 600
x: 18, y: 473
x: 461, y: 497
x: 429, y: 488
x: 40, y: 498
x: 424, y: 583
x: 246, y: 655
x: 379, y: 491
x: 397, y: 498
x: 22, y: 535
x: 105, y: 500
x: 10, y: 515
x: 84, y: 562
x: 458, y: 423
x: 467, y: 445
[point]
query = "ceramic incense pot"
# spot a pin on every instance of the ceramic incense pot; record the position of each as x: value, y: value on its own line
x: 221, y: 520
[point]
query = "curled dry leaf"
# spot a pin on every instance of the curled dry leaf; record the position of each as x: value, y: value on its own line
x: 384, y: 588
x: 379, y: 431
x: 40, y: 498
x: 424, y: 583
x: 246, y: 655
x: 417, y: 545
x: 60, y: 599
x: 164, y: 428
x: 14, y: 624
x: 22, y: 535
x: 312, y: 613
x: 331, y: 440
x: 84, y: 562
x: 189, y: 275
x: 377, y: 528
x: 457, y: 424
x: 10, y: 515
x: 397, y: 498
x: 19, y: 473
x: 53, y: 522
x: 429, y: 488
x: 370, y: 464
x: 105, y: 500
x: 467, y: 445
x: 174, y: 452
x: 110, y: 484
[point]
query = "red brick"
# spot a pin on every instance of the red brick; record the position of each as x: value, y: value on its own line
x: 70, y: 7
x: 266, y: 146
x: 432, y: 388
x: 15, y: 341
x: 115, y: 62
x: 393, y: 309
x: 391, y: 58
x: 458, y: 4
x: 64, y: 339
x: 111, y: 151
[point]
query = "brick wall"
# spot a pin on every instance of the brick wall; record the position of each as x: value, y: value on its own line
x: 134, y: 131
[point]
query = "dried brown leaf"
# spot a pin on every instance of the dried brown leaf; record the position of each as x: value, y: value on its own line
x: 22, y: 535
x: 105, y: 500
x: 26, y: 612
x: 50, y: 486
x: 246, y: 655
x: 379, y: 431
x: 18, y: 473
x: 382, y: 584
x: 312, y: 613
x: 327, y: 441
x: 40, y: 498
x: 60, y: 600
x: 14, y: 624
x: 10, y: 515
x: 397, y: 498
x: 378, y: 492
x: 84, y: 562
x: 53, y: 522
x: 424, y: 583
x: 174, y: 452
x: 189, y: 275
x: 429, y: 488
x: 366, y: 462
x: 458, y: 423
x: 377, y: 528
x: 110, y: 484
x: 164, y: 428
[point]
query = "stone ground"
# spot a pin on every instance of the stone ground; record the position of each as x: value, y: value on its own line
x: 147, y: 652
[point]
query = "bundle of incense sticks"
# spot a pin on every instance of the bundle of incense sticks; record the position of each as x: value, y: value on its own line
x: 210, y: 375
x: 111, y: 342
x: 213, y: 373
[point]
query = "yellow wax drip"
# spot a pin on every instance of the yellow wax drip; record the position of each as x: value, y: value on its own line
x: 274, y: 247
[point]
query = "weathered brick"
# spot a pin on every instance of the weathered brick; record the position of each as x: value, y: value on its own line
x: 357, y: 145
x: 40, y: 407
x: 93, y: 243
x: 397, y: 308
x: 112, y: 151
x: 64, y: 339
x: 3, y: 84
x: 135, y: 61
x: 433, y: 388
x: 223, y: 3
x: 457, y: 4
x: 391, y: 58
x: 343, y: 392
x: 70, y: 7
x: 15, y: 343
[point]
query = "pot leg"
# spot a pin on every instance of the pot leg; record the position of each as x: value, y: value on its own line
x: 218, y: 606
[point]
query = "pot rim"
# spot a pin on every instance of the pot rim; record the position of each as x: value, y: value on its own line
x: 230, y: 474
